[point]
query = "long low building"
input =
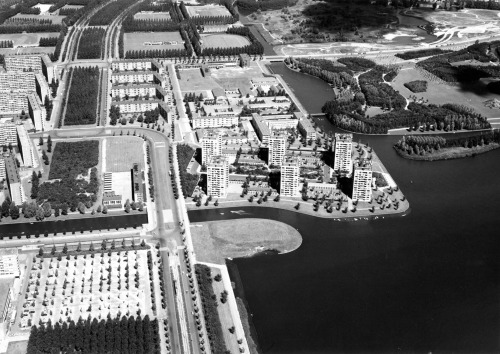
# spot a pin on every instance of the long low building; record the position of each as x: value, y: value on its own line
x: 136, y: 64
x: 24, y: 145
x: 135, y: 77
x: 214, y: 121
x: 142, y: 106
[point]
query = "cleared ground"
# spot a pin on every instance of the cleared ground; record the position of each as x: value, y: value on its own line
x: 224, y: 41
x: 122, y: 152
x: 27, y: 50
x: 26, y: 39
x: 137, y: 40
x: 44, y: 8
x: 192, y: 80
x: 440, y: 93
x: 237, y: 77
x: 207, y: 10
x: 213, y: 241
x: 56, y: 19
x: 152, y: 16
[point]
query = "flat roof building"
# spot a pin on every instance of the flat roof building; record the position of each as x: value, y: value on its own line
x: 13, y: 181
x: 24, y: 145
x: 8, y: 134
x: 211, y: 145
x: 362, y: 183
x: 343, y: 154
x: 277, y: 149
x: 306, y: 129
x: 9, y: 263
x: 17, y: 81
x: 289, y: 180
x: 261, y: 128
x: 217, y: 177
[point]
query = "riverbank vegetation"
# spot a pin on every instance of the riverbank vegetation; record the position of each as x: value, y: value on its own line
x: 439, y: 148
x: 82, y: 98
x: 188, y: 180
x: 416, y: 86
x: 125, y: 335
x: 209, y: 303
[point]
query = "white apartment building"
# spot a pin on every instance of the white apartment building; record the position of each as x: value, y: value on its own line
x: 343, y: 154
x: 23, y: 63
x: 9, y: 263
x: 14, y: 182
x: 211, y: 145
x: 217, y: 176
x: 133, y: 77
x: 8, y: 134
x: 141, y: 90
x: 306, y: 129
x: 362, y: 184
x: 277, y: 149
x: 17, y: 81
x: 42, y: 88
x: 264, y: 82
x: 37, y: 112
x: 136, y: 64
x: 289, y: 180
x: 25, y: 147
x: 13, y: 103
x: 3, y: 174
x: 214, y: 121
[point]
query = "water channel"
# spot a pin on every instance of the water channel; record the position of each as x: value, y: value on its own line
x: 429, y: 281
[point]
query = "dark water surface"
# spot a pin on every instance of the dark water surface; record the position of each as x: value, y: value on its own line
x: 429, y: 281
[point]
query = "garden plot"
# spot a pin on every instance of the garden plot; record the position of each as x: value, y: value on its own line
x: 149, y: 15
x: 65, y: 288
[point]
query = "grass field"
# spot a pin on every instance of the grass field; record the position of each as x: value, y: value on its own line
x: 207, y: 10
x: 122, y: 152
x: 224, y: 41
x: 136, y: 40
x: 152, y: 16
x: 26, y: 39
x: 27, y: 50
x: 438, y: 93
x: 44, y: 8
x: 216, y: 240
x: 19, y: 347
x: 56, y: 19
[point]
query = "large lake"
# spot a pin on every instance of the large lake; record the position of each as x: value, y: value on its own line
x: 429, y: 281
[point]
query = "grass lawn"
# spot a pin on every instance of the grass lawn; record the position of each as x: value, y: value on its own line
x: 224, y: 41
x: 152, y: 16
x: 137, y: 40
x: 26, y: 38
x: 216, y: 240
x: 27, y: 50
x: 122, y: 153
x: 207, y: 10
x: 236, y: 76
x: 438, y: 93
x: 17, y: 347
x: 192, y: 80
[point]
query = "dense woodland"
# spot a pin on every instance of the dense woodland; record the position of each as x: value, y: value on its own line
x: 416, y: 86
x: 254, y: 5
x: 57, y: 51
x: 429, y: 144
x: 109, y: 12
x: 209, y: 302
x: 125, y: 335
x: 91, y: 43
x: 188, y: 181
x: 414, y: 54
x: 82, y: 97
x: 48, y: 41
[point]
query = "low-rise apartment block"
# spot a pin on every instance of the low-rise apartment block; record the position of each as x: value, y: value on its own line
x: 13, y: 181
x: 201, y: 122
x: 24, y: 145
x: 306, y: 129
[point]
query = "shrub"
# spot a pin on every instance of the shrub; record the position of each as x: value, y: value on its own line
x: 416, y: 86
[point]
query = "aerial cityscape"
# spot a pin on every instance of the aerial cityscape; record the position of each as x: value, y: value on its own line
x: 249, y: 176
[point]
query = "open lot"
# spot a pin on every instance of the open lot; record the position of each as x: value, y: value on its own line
x: 27, y: 50
x: 146, y: 15
x: 440, y: 93
x: 192, y: 80
x: 123, y: 152
x: 224, y: 41
x: 26, y: 39
x: 137, y: 40
x: 44, y: 8
x: 87, y: 285
x: 207, y: 10
x: 56, y: 19
x: 237, y: 77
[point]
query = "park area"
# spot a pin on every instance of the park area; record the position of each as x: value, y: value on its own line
x: 164, y: 40
x: 122, y: 152
x: 208, y: 11
x: 216, y: 240
x: 224, y: 41
x: 27, y: 39
x: 69, y: 285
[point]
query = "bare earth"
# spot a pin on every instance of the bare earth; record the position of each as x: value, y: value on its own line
x: 215, y: 240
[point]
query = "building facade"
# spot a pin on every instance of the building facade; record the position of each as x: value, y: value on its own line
x: 13, y: 181
x: 289, y: 180
x: 8, y: 134
x: 24, y: 146
x: 217, y: 177
x: 362, y: 183
x: 277, y: 149
x: 211, y: 145
x: 306, y: 129
x: 17, y: 81
x: 214, y: 121
x: 9, y: 263
x: 343, y: 154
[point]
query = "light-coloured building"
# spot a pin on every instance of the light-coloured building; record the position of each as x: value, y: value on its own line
x: 211, y: 145
x: 217, y: 176
x: 6, y: 299
x: 37, y: 112
x: 306, y: 129
x: 8, y: 134
x: 135, y: 77
x: 289, y: 180
x: 42, y: 88
x: 264, y: 82
x: 261, y: 129
x: 13, y: 181
x: 17, y: 81
x: 136, y: 64
x: 363, y: 179
x: 9, y: 263
x: 214, y: 121
x: 27, y: 62
x: 343, y: 154
x: 278, y: 102
x: 3, y: 174
x: 13, y: 103
x: 141, y: 106
x: 130, y: 91
x: 24, y: 145
x: 277, y: 149
x: 280, y: 124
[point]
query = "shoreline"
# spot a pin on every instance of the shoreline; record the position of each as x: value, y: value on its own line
x: 449, y: 153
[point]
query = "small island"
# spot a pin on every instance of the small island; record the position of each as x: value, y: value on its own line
x: 433, y: 148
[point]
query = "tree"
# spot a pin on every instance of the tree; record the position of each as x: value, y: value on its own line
x: 47, y: 210
x: 81, y: 208
x: 91, y: 248
x: 105, y: 209
x: 49, y: 144
x: 14, y: 211
x: 65, y: 249
x: 40, y: 214
x: 99, y: 209
x: 6, y: 207
x: 40, y: 252
x: 127, y: 206
x: 40, y: 141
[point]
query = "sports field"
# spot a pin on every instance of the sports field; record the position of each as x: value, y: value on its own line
x: 56, y: 19
x: 122, y: 152
x: 146, y: 15
x: 138, y: 40
x: 224, y: 41
x: 26, y: 39
x: 207, y: 10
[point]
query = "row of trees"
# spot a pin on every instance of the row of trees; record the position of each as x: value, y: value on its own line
x: 6, y: 44
x: 108, y: 13
x: 149, y: 25
x: 125, y: 335
x: 57, y: 51
x: 82, y: 98
x: 91, y: 43
x: 254, y: 48
x: 29, y: 27
x: 188, y: 181
x: 9, y: 208
x: 254, y: 5
x: 48, y: 41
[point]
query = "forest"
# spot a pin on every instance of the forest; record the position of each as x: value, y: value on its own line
x: 188, y: 181
x: 91, y: 43
x: 132, y: 25
x: 57, y: 51
x: 429, y: 144
x: 414, y: 54
x: 254, y: 48
x: 254, y: 5
x: 109, y: 12
x: 82, y: 97
x: 125, y: 335
x: 48, y: 41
